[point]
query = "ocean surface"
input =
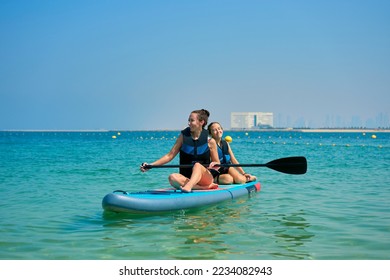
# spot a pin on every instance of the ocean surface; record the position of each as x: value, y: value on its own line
x: 52, y: 185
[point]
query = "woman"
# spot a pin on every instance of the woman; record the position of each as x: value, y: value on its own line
x: 194, y: 147
x: 228, y: 175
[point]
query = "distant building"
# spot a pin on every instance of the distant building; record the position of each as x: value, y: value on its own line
x: 251, y: 120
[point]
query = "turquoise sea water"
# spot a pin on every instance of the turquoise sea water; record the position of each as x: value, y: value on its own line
x: 52, y: 184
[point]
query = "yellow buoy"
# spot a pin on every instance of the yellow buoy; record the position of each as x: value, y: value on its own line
x: 119, y: 133
x: 228, y: 139
x: 113, y: 136
x: 373, y: 136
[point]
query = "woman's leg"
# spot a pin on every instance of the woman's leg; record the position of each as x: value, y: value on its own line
x: 201, y: 178
x: 177, y: 180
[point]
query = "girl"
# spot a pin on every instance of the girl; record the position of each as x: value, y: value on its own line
x: 228, y: 175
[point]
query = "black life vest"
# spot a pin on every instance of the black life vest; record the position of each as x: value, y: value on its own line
x: 194, y: 150
x: 223, y: 152
x: 224, y: 156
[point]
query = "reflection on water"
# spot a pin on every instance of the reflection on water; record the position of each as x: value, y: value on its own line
x: 214, y: 232
x: 205, y: 231
x: 292, y: 235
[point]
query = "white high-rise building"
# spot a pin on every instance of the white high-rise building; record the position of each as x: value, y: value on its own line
x: 251, y: 120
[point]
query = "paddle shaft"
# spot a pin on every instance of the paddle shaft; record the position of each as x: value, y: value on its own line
x: 289, y: 165
x: 205, y: 165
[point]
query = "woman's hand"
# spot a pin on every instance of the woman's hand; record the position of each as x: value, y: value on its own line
x: 143, y: 167
x: 213, y: 164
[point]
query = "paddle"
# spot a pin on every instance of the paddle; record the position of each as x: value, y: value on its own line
x: 288, y: 165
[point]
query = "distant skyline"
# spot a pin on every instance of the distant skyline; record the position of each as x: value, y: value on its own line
x: 145, y: 65
x: 381, y: 120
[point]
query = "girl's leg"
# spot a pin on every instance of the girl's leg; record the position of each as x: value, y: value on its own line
x: 225, y: 179
x: 239, y: 178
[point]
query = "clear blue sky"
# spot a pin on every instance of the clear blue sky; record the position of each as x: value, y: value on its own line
x: 148, y: 64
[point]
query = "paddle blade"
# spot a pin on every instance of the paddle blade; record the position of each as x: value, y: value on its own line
x: 289, y: 165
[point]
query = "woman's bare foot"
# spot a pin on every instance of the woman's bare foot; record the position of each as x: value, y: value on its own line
x: 178, y: 185
x: 213, y: 186
x: 186, y: 189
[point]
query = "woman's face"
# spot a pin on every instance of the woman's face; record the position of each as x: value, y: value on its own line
x: 216, y: 131
x: 194, y: 123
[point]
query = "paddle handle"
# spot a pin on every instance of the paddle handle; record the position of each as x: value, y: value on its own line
x: 148, y: 166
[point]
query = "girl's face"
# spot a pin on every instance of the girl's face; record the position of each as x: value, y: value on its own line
x: 194, y: 123
x: 216, y: 131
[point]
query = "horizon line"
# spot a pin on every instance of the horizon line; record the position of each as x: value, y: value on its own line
x: 287, y: 129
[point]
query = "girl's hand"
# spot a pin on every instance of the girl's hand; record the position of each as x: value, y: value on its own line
x: 249, y: 177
